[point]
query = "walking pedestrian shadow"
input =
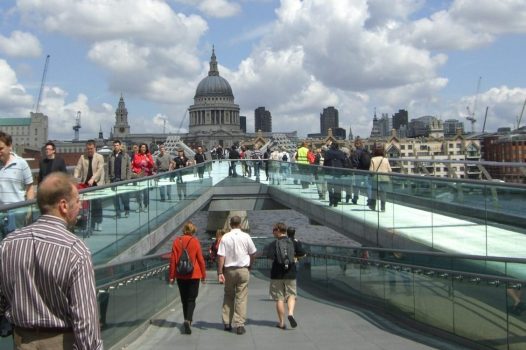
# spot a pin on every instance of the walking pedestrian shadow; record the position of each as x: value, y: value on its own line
x: 163, y: 323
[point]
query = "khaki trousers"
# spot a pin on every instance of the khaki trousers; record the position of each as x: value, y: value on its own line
x: 42, y: 340
x: 236, y: 295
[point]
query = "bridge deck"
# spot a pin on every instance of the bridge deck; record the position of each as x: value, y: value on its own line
x: 321, y: 325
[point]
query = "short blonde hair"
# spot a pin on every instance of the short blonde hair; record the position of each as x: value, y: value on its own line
x: 189, y: 228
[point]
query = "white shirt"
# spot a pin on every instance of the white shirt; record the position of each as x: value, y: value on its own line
x: 236, y: 246
x: 275, y: 155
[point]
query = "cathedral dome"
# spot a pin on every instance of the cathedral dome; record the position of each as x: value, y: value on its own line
x: 213, y: 85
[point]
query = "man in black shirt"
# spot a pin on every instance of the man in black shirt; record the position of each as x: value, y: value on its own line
x: 219, y: 152
x: 234, y: 156
x: 179, y: 162
x: 51, y: 163
x: 283, y: 276
x: 334, y: 159
x: 199, y: 158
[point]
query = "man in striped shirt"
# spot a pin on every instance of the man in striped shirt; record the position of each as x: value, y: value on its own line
x: 47, y: 284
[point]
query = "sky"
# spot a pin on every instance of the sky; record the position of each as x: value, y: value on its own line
x: 293, y: 57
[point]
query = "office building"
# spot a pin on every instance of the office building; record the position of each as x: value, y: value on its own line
x: 262, y: 120
x: 243, y: 123
x: 329, y: 119
x: 400, y: 118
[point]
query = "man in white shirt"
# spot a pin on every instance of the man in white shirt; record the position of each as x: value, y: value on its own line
x: 235, y: 257
x: 16, y: 184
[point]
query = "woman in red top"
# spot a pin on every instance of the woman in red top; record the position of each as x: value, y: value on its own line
x: 188, y: 284
x: 142, y: 165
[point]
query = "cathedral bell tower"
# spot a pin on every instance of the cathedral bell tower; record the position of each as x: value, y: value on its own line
x: 121, y: 129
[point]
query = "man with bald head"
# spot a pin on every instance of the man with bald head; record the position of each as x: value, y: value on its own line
x: 47, y: 284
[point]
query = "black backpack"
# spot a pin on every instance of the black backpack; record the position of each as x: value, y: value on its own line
x: 184, y: 265
x: 285, y: 252
x: 364, y: 160
x: 285, y: 158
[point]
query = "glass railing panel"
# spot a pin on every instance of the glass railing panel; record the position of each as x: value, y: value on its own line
x: 372, y: 282
x: 318, y: 265
x: 433, y: 298
x: 504, y: 215
x: 130, y: 293
x: 475, y: 306
x: 164, y: 198
x: 480, y: 312
x: 515, y: 270
x: 151, y: 296
x: 399, y: 289
x: 360, y: 192
x: 463, y: 263
x: 409, y: 198
x: 516, y: 320
x: 131, y: 303
x: 109, y: 235
x: 16, y: 216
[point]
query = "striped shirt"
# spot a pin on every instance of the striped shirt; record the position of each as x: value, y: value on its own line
x: 47, y: 281
x: 14, y: 177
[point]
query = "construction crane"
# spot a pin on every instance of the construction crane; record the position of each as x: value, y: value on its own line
x: 182, y: 121
x: 39, y: 99
x: 77, y: 126
x: 519, y: 117
x: 485, y: 117
x: 471, y: 112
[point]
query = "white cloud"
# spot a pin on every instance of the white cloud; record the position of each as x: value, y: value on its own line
x: 219, y: 8
x: 20, y: 44
x: 322, y: 53
x: 147, y: 49
x: 494, y: 17
x: 384, y: 12
x: 62, y: 114
x: 145, y: 21
x: 465, y: 25
x: 505, y: 104
x: 215, y: 8
x: 442, y: 32
x: 14, y: 100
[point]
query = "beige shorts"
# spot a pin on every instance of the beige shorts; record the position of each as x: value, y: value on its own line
x: 282, y: 289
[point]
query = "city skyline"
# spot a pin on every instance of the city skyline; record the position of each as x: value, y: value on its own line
x: 293, y: 57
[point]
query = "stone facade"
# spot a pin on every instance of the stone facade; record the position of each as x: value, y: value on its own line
x: 26, y: 132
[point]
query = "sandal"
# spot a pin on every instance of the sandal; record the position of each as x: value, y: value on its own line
x: 292, y: 321
x: 281, y: 327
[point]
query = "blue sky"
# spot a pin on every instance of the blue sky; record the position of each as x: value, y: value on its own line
x: 293, y: 57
